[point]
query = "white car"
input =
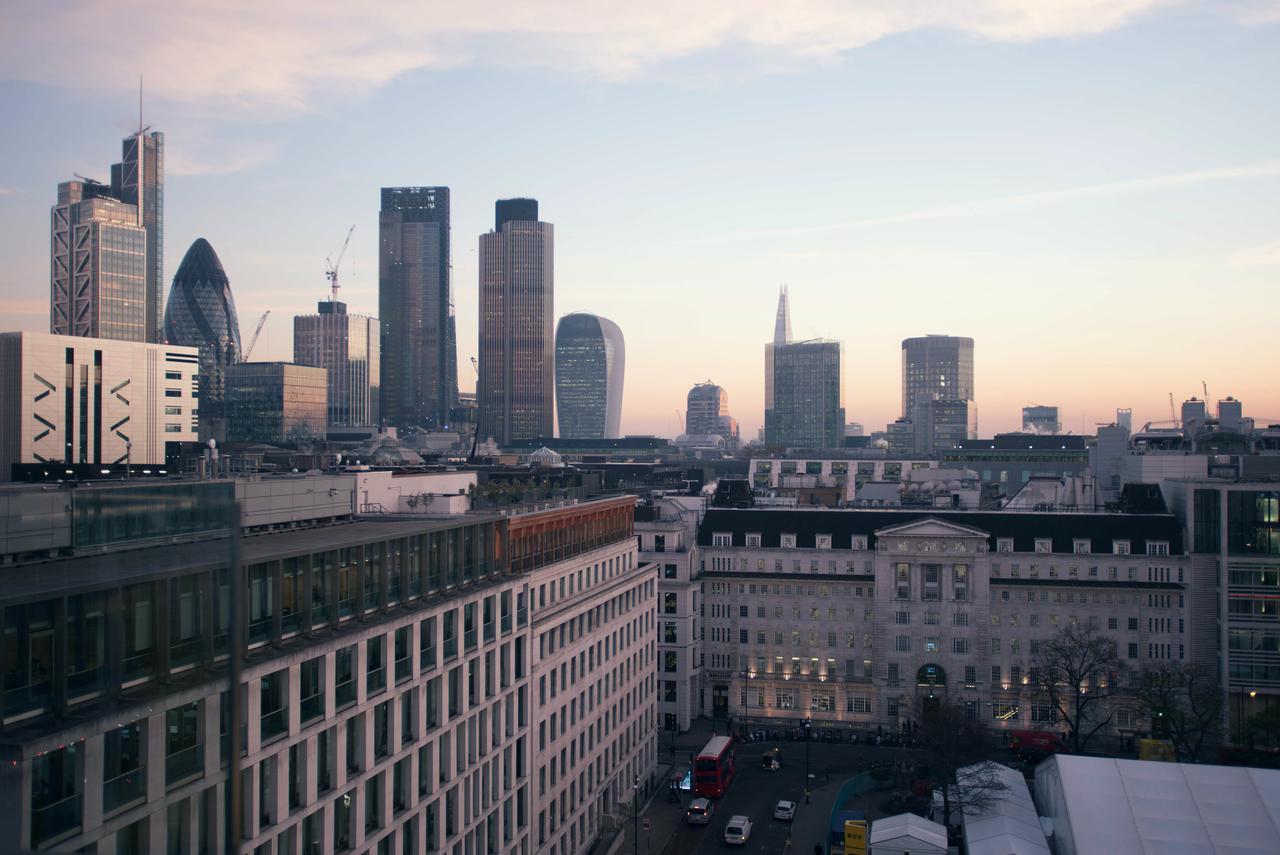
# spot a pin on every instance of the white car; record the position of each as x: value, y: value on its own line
x: 737, y: 831
x: 784, y: 810
x: 699, y: 812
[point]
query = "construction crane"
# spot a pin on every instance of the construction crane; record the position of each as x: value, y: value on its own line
x: 256, y: 332
x: 331, y: 271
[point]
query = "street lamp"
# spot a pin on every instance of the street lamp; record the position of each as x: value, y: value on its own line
x: 808, y: 725
x: 635, y: 813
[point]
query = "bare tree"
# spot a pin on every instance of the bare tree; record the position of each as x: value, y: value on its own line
x: 1184, y: 703
x: 955, y: 745
x: 1078, y: 671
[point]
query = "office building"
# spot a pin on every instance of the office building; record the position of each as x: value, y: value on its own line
x: 1124, y: 418
x: 517, y: 287
x: 1040, y: 419
x: 107, y: 249
x: 706, y: 409
x: 940, y: 424
x: 803, y: 397
x: 856, y: 617
x: 90, y: 403
x: 590, y: 363
x: 936, y: 366
x: 201, y: 313
x: 276, y: 403
x: 347, y: 346
x: 419, y: 371
x: 1231, y: 414
x: 477, y: 682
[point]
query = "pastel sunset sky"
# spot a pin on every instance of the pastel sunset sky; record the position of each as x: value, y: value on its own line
x: 1088, y: 188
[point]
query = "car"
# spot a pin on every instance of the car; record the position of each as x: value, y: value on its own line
x: 699, y: 812
x: 738, y: 831
x: 784, y: 810
x: 770, y: 761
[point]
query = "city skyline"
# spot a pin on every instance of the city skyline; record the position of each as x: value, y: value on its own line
x: 1112, y: 168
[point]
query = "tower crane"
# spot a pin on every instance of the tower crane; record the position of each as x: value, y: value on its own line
x: 256, y: 332
x: 331, y: 267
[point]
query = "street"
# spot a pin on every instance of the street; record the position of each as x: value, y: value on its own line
x: 754, y: 793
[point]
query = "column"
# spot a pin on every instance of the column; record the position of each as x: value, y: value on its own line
x: 154, y: 734
x: 91, y: 783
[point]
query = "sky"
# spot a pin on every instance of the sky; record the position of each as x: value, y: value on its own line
x: 1088, y: 188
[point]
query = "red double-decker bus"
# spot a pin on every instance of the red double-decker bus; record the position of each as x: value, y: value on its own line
x: 713, y: 768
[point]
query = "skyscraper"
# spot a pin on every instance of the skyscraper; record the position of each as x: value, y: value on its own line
x: 517, y: 284
x: 201, y: 313
x: 590, y: 361
x: 936, y: 366
x: 419, y: 372
x: 346, y: 345
x: 107, y: 248
x: 803, y: 396
x: 1039, y: 418
x: 704, y: 406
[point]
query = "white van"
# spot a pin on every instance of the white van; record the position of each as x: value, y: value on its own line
x: 737, y: 831
x: 699, y: 812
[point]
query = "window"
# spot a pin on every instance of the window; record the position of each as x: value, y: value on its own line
x: 1157, y: 547
x: 788, y: 541
x: 1081, y: 546
x: 902, y: 617
x: 1120, y: 547
x: 1004, y: 544
x: 960, y: 582
x: 173, y: 411
x: 1004, y: 711
x: 931, y: 573
x: 902, y: 571
x: 960, y: 646
x: 823, y: 541
x: 902, y: 643
x: 721, y: 539
x: 1044, y: 544
x: 669, y: 604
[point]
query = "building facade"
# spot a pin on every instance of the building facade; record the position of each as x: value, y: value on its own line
x: 707, y: 414
x: 590, y: 369
x: 517, y: 289
x: 1234, y: 539
x: 940, y: 424
x: 803, y: 398
x: 387, y: 699
x: 854, y: 618
x: 347, y: 346
x: 936, y: 366
x: 107, y: 249
x: 276, y: 403
x: 419, y: 370
x: 86, y: 403
x: 1041, y: 419
x: 201, y: 313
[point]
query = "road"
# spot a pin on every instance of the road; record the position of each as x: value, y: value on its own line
x: 755, y: 791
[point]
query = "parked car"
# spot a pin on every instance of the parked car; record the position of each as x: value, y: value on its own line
x: 784, y: 810
x: 699, y: 812
x: 738, y: 831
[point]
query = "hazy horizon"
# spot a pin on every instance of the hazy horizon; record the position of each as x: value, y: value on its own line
x: 1087, y: 190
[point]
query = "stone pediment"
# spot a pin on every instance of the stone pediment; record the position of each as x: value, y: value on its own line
x: 930, y: 527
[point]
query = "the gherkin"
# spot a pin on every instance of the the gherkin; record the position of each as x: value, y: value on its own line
x: 201, y: 313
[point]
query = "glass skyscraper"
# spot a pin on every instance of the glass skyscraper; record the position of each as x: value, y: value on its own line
x: 107, y: 249
x: 517, y: 284
x: 590, y: 362
x: 936, y: 366
x: 201, y: 313
x: 347, y: 346
x: 803, y: 396
x: 419, y: 371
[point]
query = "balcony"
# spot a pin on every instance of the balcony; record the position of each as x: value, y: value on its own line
x: 344, y: 693
x: 404, y: 669
x: 312, y: 706
x: 182, y: 765
x: 124, y: 789
x: 450, y: 647
x: 275, y: 723
x: 375, y: 680
x: 55, y: 820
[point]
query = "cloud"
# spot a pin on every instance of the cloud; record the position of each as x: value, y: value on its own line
x: 1016, y: 202
x: 280, y: 58
x: 7, y: 190
x: 1267, y: 255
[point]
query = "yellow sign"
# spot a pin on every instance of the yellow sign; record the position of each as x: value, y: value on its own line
x: 855, y: 837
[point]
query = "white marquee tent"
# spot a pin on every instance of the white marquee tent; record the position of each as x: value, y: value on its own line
x: 1104, y: 805
x: 907, y: 834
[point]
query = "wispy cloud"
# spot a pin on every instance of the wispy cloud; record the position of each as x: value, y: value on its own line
x: 286, y: 56
x: 1015, y: 202
x: 7, y: 190
x: 1266, y: 255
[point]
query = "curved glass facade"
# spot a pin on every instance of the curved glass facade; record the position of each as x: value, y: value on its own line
x: 590, y: 359
x: 200, y: 313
